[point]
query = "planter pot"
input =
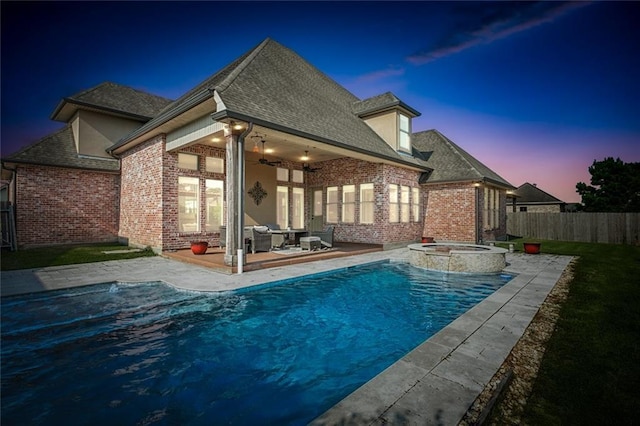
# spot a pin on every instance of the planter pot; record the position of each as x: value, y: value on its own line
x: 427, y: 240
x: 532, y: 248
x: 199, y: 247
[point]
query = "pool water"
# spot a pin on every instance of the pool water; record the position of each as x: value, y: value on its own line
x: 283, y: 354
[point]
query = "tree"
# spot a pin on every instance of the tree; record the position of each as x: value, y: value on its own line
x: 615, y: 187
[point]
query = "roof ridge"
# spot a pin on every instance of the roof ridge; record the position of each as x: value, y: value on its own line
x: 226, y: 82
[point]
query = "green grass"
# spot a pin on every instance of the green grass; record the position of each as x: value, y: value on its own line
x: 590, y: 373
x: 65, y: 255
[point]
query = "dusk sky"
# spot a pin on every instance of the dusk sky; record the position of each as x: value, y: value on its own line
x: 536, y: 91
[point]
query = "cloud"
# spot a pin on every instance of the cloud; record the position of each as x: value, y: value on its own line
x: 480, y: 22
x: 392, y: 71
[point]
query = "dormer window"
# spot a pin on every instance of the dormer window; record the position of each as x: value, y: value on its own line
x: 404, y: 133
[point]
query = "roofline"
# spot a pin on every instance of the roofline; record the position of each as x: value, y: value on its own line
x: 389, y: 107
x: 9, y: 162
x: 471, y: 180
x: 227, y: 114
x: 65, y: 101
x: 163, y: 118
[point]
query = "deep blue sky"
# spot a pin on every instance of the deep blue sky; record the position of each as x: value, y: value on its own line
x: 536, y: 91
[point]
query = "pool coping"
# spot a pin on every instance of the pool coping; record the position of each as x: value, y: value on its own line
x: 435, y: 383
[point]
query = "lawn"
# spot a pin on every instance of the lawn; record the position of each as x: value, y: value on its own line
x: 590, y: 373
x: 66, y: 255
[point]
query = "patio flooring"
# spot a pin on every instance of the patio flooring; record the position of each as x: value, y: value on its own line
x: 214, y: 257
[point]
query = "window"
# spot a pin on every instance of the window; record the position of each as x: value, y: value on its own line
x: 214, y: 165
x: 349, y: 203
x: 188, y: 204
x: 404, y: 204
x: 332, y: 204
x: 187, y: 161
x: 415, y: 204
x: 214, y: 201
x: 282, y: 174
x: 404, y: 133
x: 297, y: 219
x: 393, y: 204
x: 282, y: 206
x: 490, y: 214
x: 297, y: 176
x: 366, y: 203
x: 523, y: 209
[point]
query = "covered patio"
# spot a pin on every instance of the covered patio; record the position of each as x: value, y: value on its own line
x: 214, y: 257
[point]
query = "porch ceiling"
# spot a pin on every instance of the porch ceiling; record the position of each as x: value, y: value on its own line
x: 288, y: 147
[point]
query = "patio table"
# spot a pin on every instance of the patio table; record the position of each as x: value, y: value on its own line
x: 291, y: 234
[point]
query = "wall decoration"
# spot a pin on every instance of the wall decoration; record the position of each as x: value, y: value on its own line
x: 257, y: 193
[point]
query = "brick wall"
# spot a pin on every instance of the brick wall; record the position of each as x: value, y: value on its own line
x: 451, y: 212
x: 349, y: 171
x: 141, y: 206
x: 65, y: 206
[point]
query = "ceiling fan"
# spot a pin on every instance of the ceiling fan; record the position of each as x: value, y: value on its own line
x: 306, y: 166
x: 265, y: 161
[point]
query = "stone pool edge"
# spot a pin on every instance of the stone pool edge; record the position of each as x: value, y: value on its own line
x: 438, y: 381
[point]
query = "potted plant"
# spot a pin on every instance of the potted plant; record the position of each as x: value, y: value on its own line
x: 199, y: 247
x: 532, y: 248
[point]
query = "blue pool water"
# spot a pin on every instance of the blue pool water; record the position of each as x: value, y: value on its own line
x: 151, y: 354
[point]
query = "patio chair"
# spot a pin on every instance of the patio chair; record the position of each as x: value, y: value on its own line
x: 326, y: 236
x: 261, y: 239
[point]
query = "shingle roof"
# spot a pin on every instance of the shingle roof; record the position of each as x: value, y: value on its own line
x: 273, y: 86
x: 528, y: 193
x: 58, y: 149
x: 114, y: 98
x: 379, y: 103
x: 450, y: 163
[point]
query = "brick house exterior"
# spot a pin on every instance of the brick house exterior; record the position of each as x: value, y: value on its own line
x: 122, y: 182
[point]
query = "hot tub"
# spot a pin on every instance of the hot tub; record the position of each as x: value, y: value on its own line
x: 458, y: 257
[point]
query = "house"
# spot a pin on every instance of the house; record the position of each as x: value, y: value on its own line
x: 267, y: 139
x: 531, y: 199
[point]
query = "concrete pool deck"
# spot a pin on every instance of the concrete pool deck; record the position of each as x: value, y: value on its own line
x: 436, y: 383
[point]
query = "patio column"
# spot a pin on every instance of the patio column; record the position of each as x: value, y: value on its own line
x: 234, y: 137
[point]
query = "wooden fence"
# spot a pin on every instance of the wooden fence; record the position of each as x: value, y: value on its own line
x: 613, y: 228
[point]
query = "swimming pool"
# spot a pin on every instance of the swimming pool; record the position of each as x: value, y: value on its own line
x: 150, y: 354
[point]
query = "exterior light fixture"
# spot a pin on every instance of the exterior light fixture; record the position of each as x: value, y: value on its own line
x: 305, y: 157
x: 255, y: 146
x: 237, y: 126
x: 215, y: 139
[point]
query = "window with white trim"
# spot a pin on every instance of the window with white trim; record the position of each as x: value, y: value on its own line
x: 349, y: 203
x: 282, y: 174
x: 214, y: 165
x: 367, y: 203
x: 188, y: 204
x: 282, y: 206
x: 415, y: 204
x: 332, y: 204
x: 394, y: 216
x: 297, y: 201
x: 187, y: 161
x: 297, y: 176
x: 404, y: 204
x: 404, y: 133
x: 214, y: 201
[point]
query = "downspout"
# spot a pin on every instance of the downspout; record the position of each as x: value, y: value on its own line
x: 240, y: 195
x: 478, y: 212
